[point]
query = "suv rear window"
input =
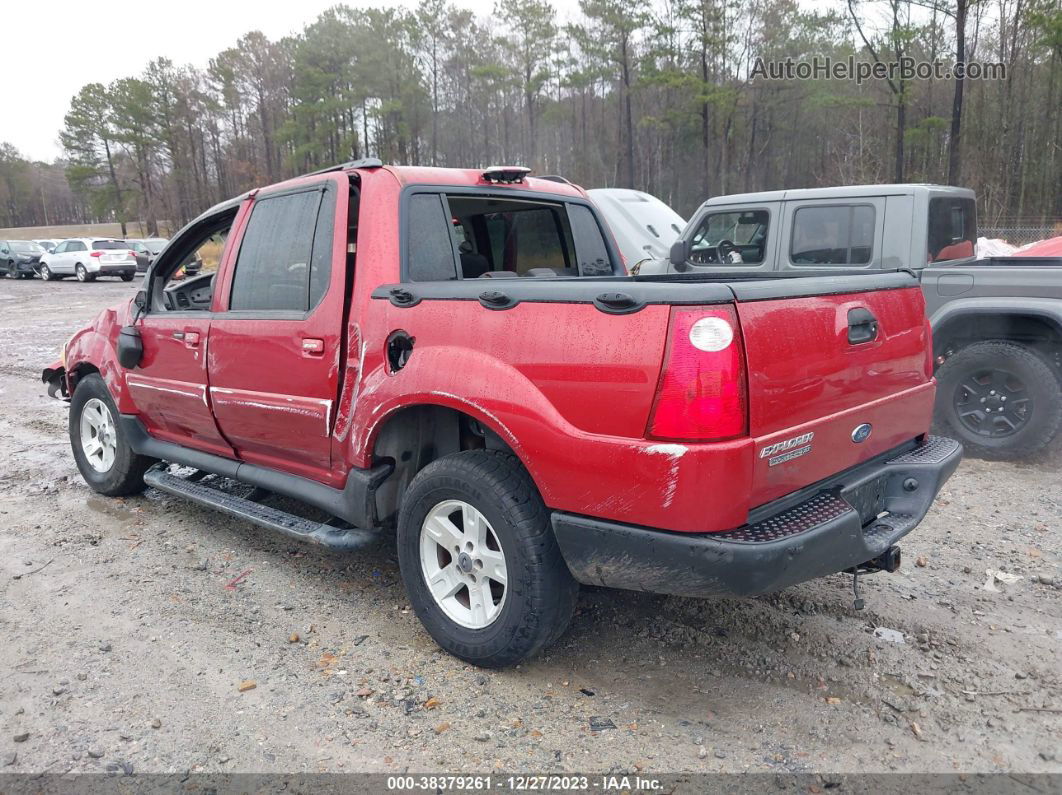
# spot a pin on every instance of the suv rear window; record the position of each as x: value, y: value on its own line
x: 835, y: 235
x: 109, y: 245
x: 952, y: 229
x: 473, y: 235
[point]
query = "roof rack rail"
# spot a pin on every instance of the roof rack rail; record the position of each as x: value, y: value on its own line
x: 365, y: 162
x: 556, y: 178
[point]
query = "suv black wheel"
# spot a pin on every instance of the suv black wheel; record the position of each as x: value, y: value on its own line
x: 106, y: 461
x: 1000, y: 399
x: 479, y: 559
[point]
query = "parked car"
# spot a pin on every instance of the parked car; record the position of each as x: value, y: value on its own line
x: 88, y: 258
x: 459, y: 356
x: 997, y: 322
x: 47, y: 245
x: 146, y: 250
x: 19, y: 258
x: 644, y: 227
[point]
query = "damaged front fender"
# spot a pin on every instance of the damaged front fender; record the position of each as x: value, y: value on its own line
x: 55, y: 378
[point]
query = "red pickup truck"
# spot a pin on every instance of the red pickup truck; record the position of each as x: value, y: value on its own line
x: 460, y: 355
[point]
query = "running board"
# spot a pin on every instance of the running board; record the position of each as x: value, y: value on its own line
x: 263, y: 515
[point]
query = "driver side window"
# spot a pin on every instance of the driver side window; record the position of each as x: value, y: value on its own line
x: 187, y: 275
x: 731, y: 238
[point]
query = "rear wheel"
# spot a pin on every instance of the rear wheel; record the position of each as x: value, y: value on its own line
x: 1000, y: 399
x: 104, y: 457
x: 479, y: 559
x: 82, y: 273
x: 127, y: 277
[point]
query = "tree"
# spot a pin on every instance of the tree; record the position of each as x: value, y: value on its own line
x: 88, y: 139
x: 615, y: 23
x: 534, y: 33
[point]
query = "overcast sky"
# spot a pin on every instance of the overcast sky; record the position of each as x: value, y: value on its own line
x: 108, y: 39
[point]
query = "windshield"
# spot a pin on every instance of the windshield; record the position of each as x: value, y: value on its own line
x: 154, y: 246
x: 25, y: 247
x: 109, y: 245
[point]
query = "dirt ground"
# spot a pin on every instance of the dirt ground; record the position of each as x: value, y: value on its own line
x: 130, y: 625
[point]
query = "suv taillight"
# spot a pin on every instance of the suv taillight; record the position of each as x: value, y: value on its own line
x: 702, y: 393
x: 96, y: 254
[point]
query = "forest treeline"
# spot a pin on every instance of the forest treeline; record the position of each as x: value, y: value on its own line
x: 658, y: 97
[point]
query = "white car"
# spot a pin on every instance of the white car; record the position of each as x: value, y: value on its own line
x: 89, y: 257
x: 47, y: 245
x: 644, y: 227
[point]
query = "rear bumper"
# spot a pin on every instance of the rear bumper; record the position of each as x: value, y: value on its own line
x: 112, y: 269
x: 825, y: 531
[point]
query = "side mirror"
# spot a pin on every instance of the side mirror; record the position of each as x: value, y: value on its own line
x: 130, y: 347
x: 141, y: 300
x: 680, y: 254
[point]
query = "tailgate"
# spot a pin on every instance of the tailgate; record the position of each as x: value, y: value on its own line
x: 827, y: 357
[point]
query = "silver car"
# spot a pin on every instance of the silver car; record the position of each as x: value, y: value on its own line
x: 87, y: 258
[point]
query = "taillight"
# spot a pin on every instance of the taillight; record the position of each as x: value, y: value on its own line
x: 96, y: 254
x: 702, y: 393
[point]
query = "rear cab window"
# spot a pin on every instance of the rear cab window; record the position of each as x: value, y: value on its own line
x: 952, y: 229
x: 836, y: 234
x: 471, y: 235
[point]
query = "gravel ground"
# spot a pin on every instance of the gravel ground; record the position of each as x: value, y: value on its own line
x: 150, y: 635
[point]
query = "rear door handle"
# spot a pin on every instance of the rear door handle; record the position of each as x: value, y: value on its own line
x: 862, y: 326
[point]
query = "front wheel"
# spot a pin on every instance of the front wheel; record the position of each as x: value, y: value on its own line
x: 104, y: 457
x: 479, y: 559
x: 46, y: 273
x: 1000, y: 399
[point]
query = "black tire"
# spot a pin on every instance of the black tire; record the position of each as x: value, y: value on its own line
x: 992, y: 370
x: 540, y: 593
x: 46, y: 273
x: 126, y: 474
x: 127, y: 277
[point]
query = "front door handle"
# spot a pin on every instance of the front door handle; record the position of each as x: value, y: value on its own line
x: 191, y: 338
x: 312, y: 347
x: 862, y: 326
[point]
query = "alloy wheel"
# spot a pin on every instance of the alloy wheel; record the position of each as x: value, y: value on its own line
x: 463, y: 564
x: 99, y: 436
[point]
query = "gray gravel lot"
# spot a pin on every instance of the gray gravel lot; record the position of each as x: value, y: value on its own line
x: 148, y: 634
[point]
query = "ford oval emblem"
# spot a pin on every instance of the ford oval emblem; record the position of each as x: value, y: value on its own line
x: 862, y: 432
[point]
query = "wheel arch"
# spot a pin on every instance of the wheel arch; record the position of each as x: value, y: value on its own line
x: 414, y: 435
x: 91, y: 352
x: 1037, y: 325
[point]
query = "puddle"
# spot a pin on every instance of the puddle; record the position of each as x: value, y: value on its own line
x: 897, y: 686
x: 109, y: 508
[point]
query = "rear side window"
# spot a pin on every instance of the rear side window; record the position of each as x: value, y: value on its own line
x: 590, y: 248
x: 278, y: 253
x: 430, y: 249
x: 952, y: 229
x: 835, y: 235
x: 109, y: 245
